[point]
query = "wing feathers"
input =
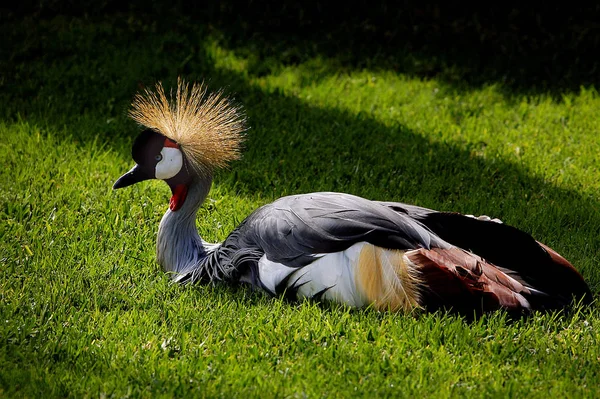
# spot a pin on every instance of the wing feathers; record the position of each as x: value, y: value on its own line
x: 454, y: 278
x: 326, y: 223
x: 386, y: 280
x: 463, y: 263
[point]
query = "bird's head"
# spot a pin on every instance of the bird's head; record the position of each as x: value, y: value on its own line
x: 187, y: 137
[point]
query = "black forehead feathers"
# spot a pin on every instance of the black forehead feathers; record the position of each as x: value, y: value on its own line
x: 146, y: 145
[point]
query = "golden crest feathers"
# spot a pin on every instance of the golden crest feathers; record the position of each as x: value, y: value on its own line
x: 207, y: 126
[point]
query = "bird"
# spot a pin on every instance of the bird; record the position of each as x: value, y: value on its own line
x: 331, y: 246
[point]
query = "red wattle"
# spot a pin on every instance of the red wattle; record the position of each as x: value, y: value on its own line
x: 179, y: 193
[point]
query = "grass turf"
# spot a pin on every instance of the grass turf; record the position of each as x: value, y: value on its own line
x: 86, y: 311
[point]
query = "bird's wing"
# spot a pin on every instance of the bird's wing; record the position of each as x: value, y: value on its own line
x: 297, y: 229
x: 463, y: 261
x: 513, y: 252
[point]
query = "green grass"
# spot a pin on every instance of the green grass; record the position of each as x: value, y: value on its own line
x: 85, y: 311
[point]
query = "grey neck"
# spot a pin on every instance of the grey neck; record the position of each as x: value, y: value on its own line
x: 179, y: 248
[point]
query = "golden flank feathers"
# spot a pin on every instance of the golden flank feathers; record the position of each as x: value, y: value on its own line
x: 207, y: 126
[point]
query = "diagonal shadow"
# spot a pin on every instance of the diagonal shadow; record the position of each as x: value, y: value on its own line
x: 82, y: 73
x: 526, y: 49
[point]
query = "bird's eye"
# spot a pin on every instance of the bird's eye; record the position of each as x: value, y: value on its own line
x: 158, y: 158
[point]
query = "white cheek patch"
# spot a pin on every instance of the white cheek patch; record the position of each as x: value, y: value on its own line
x: 170, y: 164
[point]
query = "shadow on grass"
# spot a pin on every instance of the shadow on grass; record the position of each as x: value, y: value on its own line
x: 527, y: 49
x: 82, y: 73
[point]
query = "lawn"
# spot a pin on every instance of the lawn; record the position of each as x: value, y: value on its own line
x: 85, y: 311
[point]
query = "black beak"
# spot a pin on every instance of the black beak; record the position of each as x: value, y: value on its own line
x: 135, y: 175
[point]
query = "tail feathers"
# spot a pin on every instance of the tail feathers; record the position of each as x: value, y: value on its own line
x: 454, y: 278
x: 569, y: 277
x: 553, y: 283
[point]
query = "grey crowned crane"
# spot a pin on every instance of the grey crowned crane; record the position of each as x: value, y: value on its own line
x: 332, y: 246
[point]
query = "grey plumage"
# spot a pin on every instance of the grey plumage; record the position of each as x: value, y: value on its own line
x: 296, y: 230
x: 179, y: 248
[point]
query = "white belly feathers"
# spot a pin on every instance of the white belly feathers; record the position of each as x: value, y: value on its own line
x: 361, y: 275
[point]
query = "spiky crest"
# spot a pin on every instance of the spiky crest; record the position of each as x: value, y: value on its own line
x: 207, y: 126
